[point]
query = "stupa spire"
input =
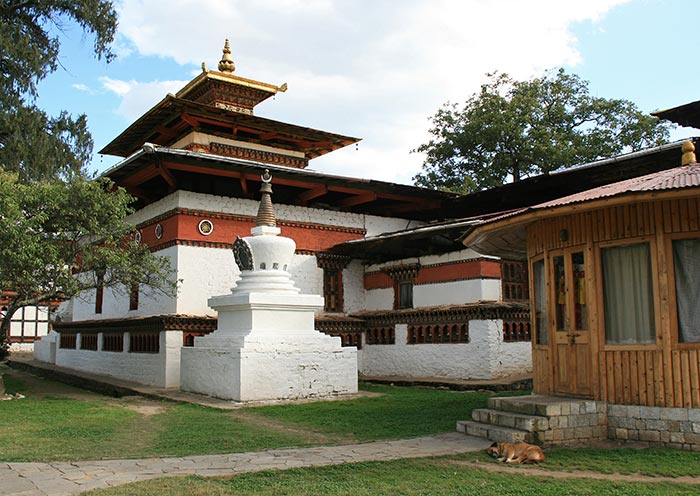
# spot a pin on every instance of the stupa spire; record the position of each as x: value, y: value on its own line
x: 266, y: 214
x: 226, y: 63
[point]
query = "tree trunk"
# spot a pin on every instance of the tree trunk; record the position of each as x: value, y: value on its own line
x: 5, y: 332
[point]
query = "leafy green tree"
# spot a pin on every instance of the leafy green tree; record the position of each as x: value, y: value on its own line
x: 62, y: 233
x: 63, y: 237
x: 514, y: 129
x: 32, y: 143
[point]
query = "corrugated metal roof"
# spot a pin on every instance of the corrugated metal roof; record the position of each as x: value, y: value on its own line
x: 686, y: 176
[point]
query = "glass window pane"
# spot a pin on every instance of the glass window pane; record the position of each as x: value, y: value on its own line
x: 406, y: 295
x: 579, y: 282
x: 628, y: 294
x: 686, y: 264
x: 540, y: 302
x: 560, y: 296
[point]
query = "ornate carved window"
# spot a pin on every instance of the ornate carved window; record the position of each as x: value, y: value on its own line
x: 404, y: 277
x: 514, y: 281
x: 332, y: 266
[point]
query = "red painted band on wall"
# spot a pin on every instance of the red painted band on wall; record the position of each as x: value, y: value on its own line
x: 437, y: 273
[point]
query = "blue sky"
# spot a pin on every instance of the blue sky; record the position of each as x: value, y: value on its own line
x: 375, y: 69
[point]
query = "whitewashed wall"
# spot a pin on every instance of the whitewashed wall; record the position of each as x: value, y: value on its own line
x: 439, y: 293
x: 206, y: 272
x: 157, y: 369
x: 485, y: 357
x: 353, y: 287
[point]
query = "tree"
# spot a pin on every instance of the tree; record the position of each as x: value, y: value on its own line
x: 32, y: 143
x: 514, y: 129
x: 60, y: 238
x: 62, y: 233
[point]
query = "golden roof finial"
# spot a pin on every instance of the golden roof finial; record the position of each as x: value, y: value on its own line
x: 226, y: 64
x: 688, y: 153
x: 266, y: 214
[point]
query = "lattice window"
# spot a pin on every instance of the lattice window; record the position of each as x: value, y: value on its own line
x: 438, y: 333
x: 514, y: 280
x: 144, y: 343
x: 380, y: 335
x: 332, y: 266
x: 404, y: 277
x: 88, y: 342
x: 113, y: 342
x: 516, y: 331
x: 68, y: 341
x: 28, y: 323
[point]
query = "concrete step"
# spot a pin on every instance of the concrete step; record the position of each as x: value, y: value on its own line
x: 546, y: 406
x: 519, y: 421
x: 495, y: 433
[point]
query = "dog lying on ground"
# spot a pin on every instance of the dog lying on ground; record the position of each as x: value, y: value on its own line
x: 516, y: 452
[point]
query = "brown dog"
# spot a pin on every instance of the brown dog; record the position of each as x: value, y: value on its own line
x: 516, y: 452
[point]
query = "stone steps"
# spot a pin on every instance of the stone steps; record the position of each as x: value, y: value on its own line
x: 519, y: 421
x: 495, y: 433
x: 538, y: 419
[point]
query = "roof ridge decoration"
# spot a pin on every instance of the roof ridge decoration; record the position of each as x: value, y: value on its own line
x: 226, y: 63
x: 688, y: 153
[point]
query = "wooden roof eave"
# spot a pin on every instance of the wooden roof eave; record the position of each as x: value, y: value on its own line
x: 314, y: 141
x: 499, y: 235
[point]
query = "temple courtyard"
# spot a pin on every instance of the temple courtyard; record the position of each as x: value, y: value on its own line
x: 59, y: 439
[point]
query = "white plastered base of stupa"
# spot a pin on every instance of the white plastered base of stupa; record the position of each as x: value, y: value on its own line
x: 265, y: 346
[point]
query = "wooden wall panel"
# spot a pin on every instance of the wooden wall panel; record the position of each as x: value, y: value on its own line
x: 667, y: 374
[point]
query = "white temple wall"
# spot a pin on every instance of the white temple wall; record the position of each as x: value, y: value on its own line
x: 456, y: 292
x: 158, y: 369
x: 379, y: 299
x: 204, y: 272
x: 485, y: 357
x: 353, y: 287
x: 115, y: 303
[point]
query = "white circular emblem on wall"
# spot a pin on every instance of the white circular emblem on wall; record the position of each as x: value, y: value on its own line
x: 206, y: 227
x: 137, y: 236
x: 159, y: 231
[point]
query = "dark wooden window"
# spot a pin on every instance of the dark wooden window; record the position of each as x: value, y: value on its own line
x: 113, y: 342
x: 380, y: 335
x: 516, y: 331
x: 333, y: 290
x: 68, y: 341
x: 88, y: 342
x: 405, y: 294
x: 134, y: 296
x: 514, y: 280
x: 332, y: 266
x: 144, y: 343
x: 438, y: 334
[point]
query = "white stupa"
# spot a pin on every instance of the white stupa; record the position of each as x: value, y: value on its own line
x: 265, y: 346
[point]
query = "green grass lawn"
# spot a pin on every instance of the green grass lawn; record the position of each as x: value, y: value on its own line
x: 57, y: 422
x: 421, y: 477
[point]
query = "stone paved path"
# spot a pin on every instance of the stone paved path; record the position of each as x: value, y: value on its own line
x: 63, y: 478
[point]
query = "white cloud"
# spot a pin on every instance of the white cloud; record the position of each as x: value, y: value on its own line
x: 375, y: 69
x: 137, y: 97
x: 84, y: 88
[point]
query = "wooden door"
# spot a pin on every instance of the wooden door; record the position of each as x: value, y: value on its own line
x: 571, y: 346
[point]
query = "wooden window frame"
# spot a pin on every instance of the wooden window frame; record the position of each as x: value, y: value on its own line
x: 676, y: 343
x: 542, y: 257
x: 600, y: 299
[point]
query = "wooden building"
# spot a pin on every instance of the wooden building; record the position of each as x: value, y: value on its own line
x: 614, y: 292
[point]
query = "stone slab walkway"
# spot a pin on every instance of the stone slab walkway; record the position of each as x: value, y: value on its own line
x: 64, y: 478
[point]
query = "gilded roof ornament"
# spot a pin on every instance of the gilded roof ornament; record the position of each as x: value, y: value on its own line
x: 688, y: 153
x: 226, y: 64
x: 266, y: 214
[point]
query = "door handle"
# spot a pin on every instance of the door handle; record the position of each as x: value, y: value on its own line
x: 572, y: 337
